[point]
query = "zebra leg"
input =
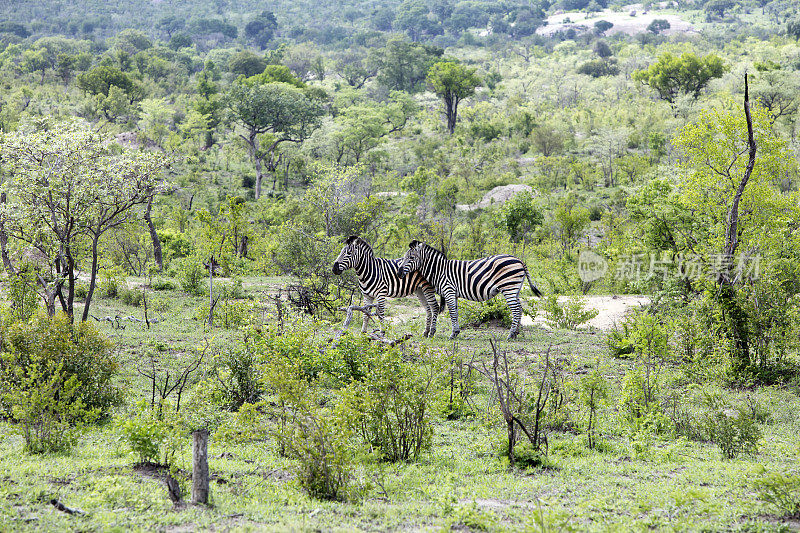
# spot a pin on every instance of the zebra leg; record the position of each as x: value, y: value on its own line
x: 424, y: 301
x: 452, y: 306
x: 367, y: 301
x: 515, y: 306
x: 381, y: 308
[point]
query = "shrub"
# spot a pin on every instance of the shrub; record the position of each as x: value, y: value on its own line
x: 731, y: 428
x: 23, y: 296
x: 237, y: 378
x: 525, y: 456
x: 56, y: 343
x: 131, y: 297
x: 148, y: 435
x: 55, y: 377
x: 81, y: 290
x: 568, y: 316
x: 324, y: 462
x: 388, y: 409
x: 45, y: 403
x: 227, y: 313
x: 477, y: 313
x: 161, y: 284
x: 781, y: 490
x: 111, y: 279
x: 192, y: 278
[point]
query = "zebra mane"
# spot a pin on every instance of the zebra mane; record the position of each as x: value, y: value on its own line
x: 361, y: 243
x: 426, y: 246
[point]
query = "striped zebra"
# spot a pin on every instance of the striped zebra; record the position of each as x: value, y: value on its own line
x: 481, y: 279
x: 380, y: 278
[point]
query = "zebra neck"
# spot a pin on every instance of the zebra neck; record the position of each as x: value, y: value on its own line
x: 431, y: 270
x: 361, y: 265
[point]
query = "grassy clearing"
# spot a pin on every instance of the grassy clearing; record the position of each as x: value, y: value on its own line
x: 634, y: 482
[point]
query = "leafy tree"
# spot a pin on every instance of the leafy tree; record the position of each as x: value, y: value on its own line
x: 452, y: 82
x: 209, y: 106
x: 718, y: 7
x: 793, y: 28
x: 520, y: 216
x: 658, y: 25
x: 247, y: 63
x: 261, y: 29
x: 170, y: 25
x: 180, y: 40
x: 412, y: 18
x: 275, y: 108
x: 100, y: 80
x: 14, y: 28
x: 598, y: 68
x: 692, y: 215
x: 67, y: 186
x: 403, y: 66
x: 602, y: 49
x: 688, y: 74
x: 602, y: 26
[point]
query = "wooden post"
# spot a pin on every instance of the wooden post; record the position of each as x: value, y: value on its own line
x: 211, y: 265
x: 200, y: 466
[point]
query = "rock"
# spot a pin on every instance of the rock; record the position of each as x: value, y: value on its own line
x: 497, y: 196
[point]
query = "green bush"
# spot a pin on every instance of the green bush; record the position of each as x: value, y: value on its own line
x: 81, y: 290
x: 237, y: 377
x: 477, y: 313
x: 323, y: 459
x: 111, y: 280
x: 22, y: 294
x: 161, y: 284
x: 148, y: 435
x: 525, y: 456
x: 781, y: 490
x: 55, y: 377
x: 193, y: 278
x: 732, y: 428
x: 79, y: 350
x: 228, y: 314
x: 131, y: 297
x: 568, y: 316
x: 388, y: 408
x: 46, y: 405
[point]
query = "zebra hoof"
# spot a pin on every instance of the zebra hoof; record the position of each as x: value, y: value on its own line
x: 513, y: 335
x: 426, y: 333
x: 454, y: 334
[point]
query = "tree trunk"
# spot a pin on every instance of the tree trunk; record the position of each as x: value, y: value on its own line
x: 157, y: 251
x: 92, y: 280
x: 4, y: 242
x: 71, y: 279
x: 200, y: 466
x: 253, y: 141
x: 728, y: 292
x: 243, y: 246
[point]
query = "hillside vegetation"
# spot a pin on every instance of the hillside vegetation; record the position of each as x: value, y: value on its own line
x: 648, y: 150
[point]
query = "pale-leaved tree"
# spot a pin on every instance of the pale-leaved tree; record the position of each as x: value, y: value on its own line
x: 64, y: 186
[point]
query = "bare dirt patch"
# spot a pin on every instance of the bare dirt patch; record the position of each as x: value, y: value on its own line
x: 612, y: 310
x: 631, y: 20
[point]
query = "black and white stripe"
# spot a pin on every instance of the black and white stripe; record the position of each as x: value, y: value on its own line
x: 380, y: 278
x: 481, y: 279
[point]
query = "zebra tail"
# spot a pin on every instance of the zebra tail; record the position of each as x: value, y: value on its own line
x: 442, y: 303
x: 536, y: 292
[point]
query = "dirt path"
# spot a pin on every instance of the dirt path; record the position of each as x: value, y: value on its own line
x: 612, y: 310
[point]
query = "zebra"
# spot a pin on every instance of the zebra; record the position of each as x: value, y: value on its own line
x: 481, y: 279
x: 379, y: 278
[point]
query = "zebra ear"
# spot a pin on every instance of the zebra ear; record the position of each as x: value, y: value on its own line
x: 351, y: 239
x: 414, y: 244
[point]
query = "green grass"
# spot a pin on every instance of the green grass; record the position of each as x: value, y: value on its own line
x: 663, y: 484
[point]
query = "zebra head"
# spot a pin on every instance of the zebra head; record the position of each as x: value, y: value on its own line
x: 351, y: 255
x: 412, y: 260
